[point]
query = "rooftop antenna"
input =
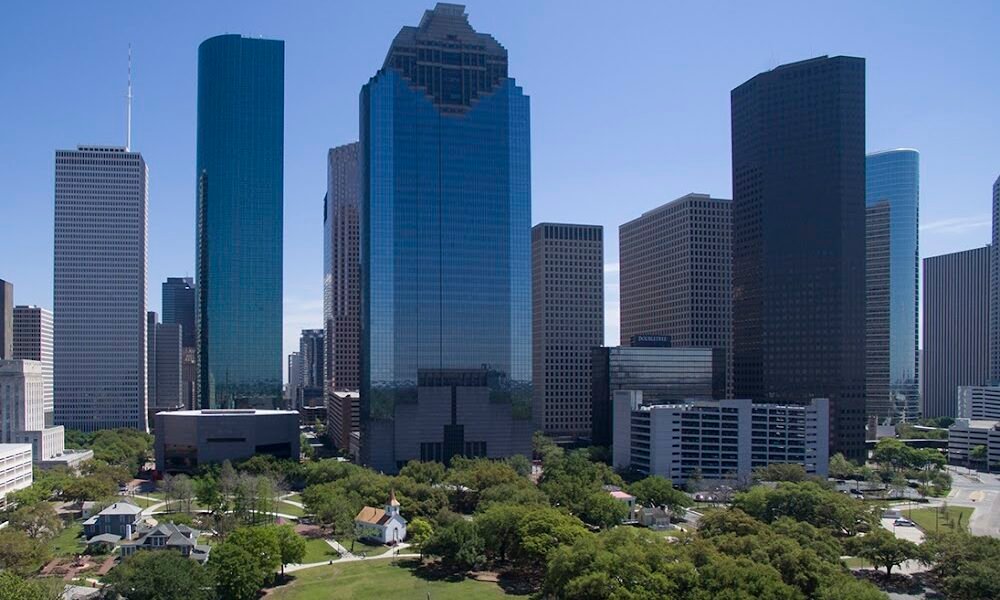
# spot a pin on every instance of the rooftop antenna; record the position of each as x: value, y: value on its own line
x: 128, y: 100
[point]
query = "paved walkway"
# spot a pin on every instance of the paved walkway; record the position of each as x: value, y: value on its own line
x: 348, y: 557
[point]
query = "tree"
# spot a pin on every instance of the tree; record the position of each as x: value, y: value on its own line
x: 19, y: 553
x: 260, y: 542
x: 330, y: 507
x: 781, y: 472
x: 419, y: 531
x: 184, y: 491
x: 424, y: 472
x: 884, y: 549
x: 458, y: 545
x: 39, y: 521
x: 965, y: 564
x: 807, y: 501
x: 659, y: 491
x: 840, y: 467
x: 208, y: 494
x: 161, y: 575
x: 13, y: 587
x: 520, y: 464
x: 291, y: 545
x: 89, y: 488
x: 604, y: 511
x: 977, y: 454
x: 235, y: 572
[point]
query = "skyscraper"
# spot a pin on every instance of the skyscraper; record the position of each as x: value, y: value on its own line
x: 311, y: 351
x: 567, y: 287
x: 33, y: 341
x: 6, y: 320
x: 178, y: 306
x: 956, y: 327
x: 99, y: 350
x: 179, y: 309
x: 892, y: 196
x: 995, y: 288
x: 239, y: 183
x: 676, y: 273
x: 342, y: 291
x: 445, y: 249
x: 798, y: 143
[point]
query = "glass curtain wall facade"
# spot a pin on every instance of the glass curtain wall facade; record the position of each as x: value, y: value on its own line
x: 445, y: 239
x: 798, y: 144
x: 239, y: 251
x: 892, y: 274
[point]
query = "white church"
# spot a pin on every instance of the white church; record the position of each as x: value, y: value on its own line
x: 385, y: 526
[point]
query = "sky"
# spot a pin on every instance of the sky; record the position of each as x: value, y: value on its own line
x: 629, y: 108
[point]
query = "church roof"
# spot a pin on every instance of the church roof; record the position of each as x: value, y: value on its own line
x: 372, y: 516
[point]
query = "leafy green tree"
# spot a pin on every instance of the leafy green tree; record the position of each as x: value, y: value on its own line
x: 162, y: 575
x: 977, y: 454
x: 840, y: 467
x: 13, y: 587
x: 965, y: 564
x: 570, y: 481
x: 291, y: 546
x: 741, y: 578
x: 659, y: 491
x: 419, y: 530
x: 884, y: 549
x: 40, y: 521
x: 520, y: 464
x: 523, y: 492
x: 807, y: 501
x: 236, y: 572
x: 458, y: 545
x: 89, y: 488
x: 472, y: 477
x: 208, y: 494
x: 424, y: 472
x: 260, y: 542
x: 544, y: 449
x: 329, y: 506
x: 19, y: 553
x: 604, y: 511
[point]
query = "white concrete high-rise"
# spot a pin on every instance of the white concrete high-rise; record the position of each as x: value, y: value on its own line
x: 22, y: 415
x: 33, y: 341
x: 99, y: 358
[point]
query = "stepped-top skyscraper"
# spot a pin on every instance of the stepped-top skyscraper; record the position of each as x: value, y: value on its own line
x: 799, y: 240
x: 99, y: 329
x: 994, y: 338
x: 445, y: 249
x: 239, y: 236
x: 892, y: 276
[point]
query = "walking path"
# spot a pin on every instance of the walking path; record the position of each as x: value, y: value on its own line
x: 352, y: 558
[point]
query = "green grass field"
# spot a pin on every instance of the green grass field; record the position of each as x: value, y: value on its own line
x: 380, y: 579
x: 289, y: 509
x: 361, y: 547
x: 69, y: 542
x: 931, y: 519
x: 317, y: 550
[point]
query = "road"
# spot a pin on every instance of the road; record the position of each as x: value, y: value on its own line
x: 980, y: 491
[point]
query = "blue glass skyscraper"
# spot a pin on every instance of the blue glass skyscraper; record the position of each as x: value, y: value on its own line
x: 892, y: 274
x: 239, y: 184
x: 445, y: 249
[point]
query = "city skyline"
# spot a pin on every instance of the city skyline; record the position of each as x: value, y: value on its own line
x: 674, y: 144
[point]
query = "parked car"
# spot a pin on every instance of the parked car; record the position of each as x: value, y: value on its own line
x: 903, y: 523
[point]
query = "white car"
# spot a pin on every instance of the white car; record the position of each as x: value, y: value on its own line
x: 903, y: 523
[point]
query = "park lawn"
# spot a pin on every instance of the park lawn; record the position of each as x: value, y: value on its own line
x: 289, y: 509
x: 69, y: 542
x: 317, y: 550
x: 361, y: 547
x: 926, y: 519
x: 362, y: 580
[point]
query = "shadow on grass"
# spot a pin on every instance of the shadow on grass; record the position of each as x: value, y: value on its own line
x: 511, y: 582
x: 918, y: 584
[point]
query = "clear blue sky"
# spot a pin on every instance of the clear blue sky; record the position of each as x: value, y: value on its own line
x: 630, y: 108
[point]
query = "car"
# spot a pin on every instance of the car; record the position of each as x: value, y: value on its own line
x: 903, y: 523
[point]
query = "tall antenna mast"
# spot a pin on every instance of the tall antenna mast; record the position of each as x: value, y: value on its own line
x: 128, y: 100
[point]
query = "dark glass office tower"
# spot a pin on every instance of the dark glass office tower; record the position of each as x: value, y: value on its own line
x: 239, y: 177
x: 892, y: 275
x: 799, y: 240
x: 445, y: 249
x: 178, y: 306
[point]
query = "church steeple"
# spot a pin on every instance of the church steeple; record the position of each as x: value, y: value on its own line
x: 392, y: 508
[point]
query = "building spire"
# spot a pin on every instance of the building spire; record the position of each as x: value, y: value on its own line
x: 128, y: 104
